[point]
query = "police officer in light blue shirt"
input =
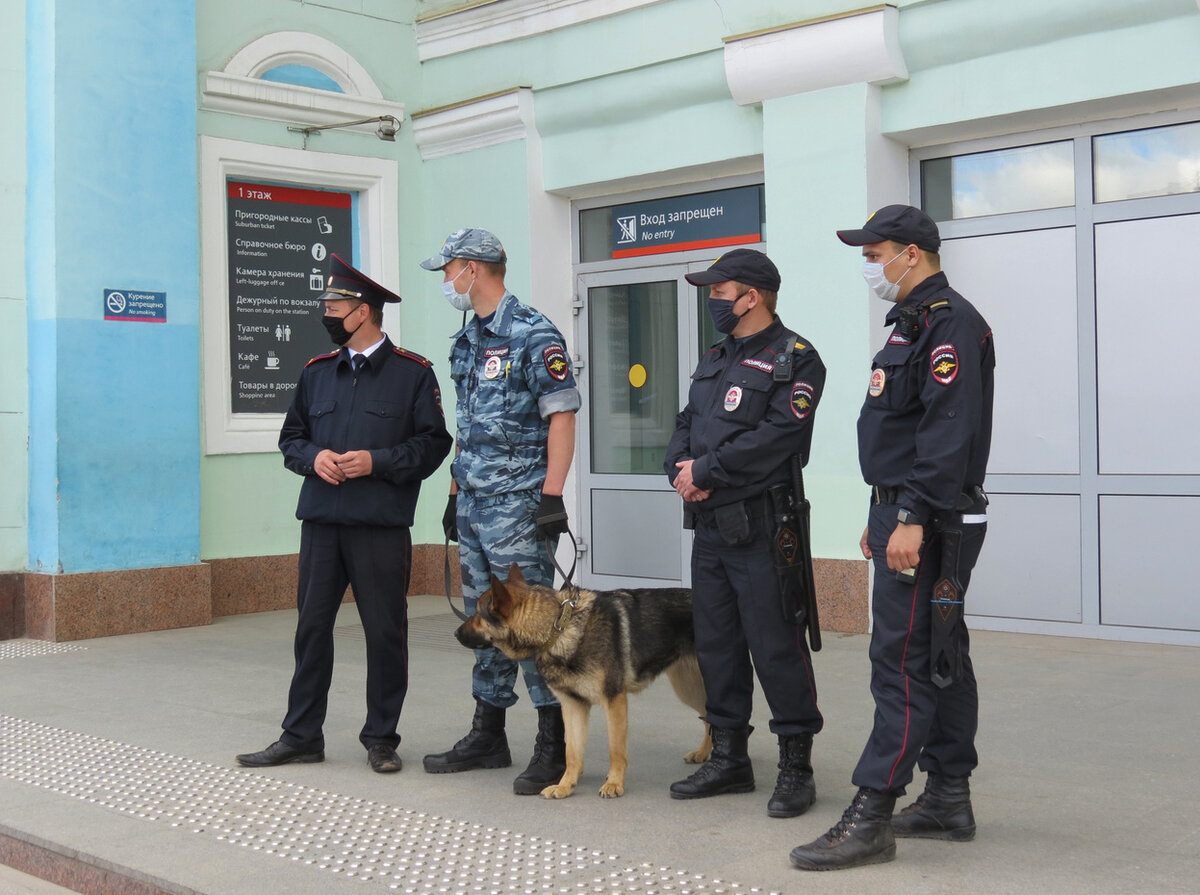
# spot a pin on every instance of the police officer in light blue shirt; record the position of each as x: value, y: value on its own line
x: 515, y: 412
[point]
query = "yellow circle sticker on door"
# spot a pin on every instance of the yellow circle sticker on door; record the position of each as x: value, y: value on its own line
x: 637, y: 375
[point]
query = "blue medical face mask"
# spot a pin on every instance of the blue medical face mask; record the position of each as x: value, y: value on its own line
x: 458, y: 300
x: 722, y: 313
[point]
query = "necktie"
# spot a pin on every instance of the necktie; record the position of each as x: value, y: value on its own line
x: 360, y: 361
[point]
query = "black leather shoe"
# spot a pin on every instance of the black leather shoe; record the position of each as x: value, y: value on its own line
x: 279, y: 753
x: 383, y: 759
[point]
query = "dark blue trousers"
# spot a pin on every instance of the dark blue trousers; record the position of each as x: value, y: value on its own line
x: 915, y: 721
x: 738, y: 613
x: 376, y: 562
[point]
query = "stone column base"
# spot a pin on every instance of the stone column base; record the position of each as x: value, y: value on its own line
x: 99, y: 604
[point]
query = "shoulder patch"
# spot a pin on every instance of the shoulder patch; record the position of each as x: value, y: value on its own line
x: 328, y: 356
x: 943, y: 363
x: 555, y: 359
x: 412, y: 355
x: 803, y: 396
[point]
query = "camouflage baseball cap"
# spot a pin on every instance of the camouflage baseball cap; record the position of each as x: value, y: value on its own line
x: 473, y: 244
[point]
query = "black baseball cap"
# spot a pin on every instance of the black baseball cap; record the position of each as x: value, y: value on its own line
x: 744, y: 266
x: 899, y: 223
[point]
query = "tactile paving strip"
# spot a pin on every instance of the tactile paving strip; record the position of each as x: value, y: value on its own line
x: 392, y: 848
x: 23, y: 649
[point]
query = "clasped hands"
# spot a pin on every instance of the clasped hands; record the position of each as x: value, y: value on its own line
x: 686, y: 487
x: 336, y: 468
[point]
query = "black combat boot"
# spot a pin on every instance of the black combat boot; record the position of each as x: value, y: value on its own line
x: 549, y: 760
x: 795, y: 790
x: 728, y: 768
x: 484, y: 746
x: 862, y: 836
x: 942, y: 811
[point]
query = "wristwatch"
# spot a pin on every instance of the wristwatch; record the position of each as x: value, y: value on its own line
x: 908, y: 517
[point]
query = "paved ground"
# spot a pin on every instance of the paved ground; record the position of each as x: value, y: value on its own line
x: 118, y: 753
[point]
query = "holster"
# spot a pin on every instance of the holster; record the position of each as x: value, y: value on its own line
x: 792, y: 549
x: 946, y: 602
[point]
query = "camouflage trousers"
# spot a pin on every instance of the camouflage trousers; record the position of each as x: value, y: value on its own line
x: 493, y: 533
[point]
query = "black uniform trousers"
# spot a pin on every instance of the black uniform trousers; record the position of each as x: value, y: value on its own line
x: 376, y: 561
x: 738, y: 613
x: 915, y: 720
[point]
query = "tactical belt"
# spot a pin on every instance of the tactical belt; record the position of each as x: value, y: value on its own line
x: 884, y: 496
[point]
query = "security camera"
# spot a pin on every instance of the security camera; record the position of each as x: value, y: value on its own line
x: 387, y: 129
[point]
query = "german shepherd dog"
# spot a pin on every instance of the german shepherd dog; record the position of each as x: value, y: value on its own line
x: 594, y: 647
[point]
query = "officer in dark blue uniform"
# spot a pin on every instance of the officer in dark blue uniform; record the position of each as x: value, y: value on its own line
x: 734, y: 441
x: 924, y: 435
x: 364, y: 429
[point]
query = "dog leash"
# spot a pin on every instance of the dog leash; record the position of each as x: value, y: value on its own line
x: 547, y: 544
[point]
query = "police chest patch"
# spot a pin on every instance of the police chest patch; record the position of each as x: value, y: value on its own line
x: 763, y: 365
x: 555, y: 360
x: 802, y: 400
x: 943, y: 363
x: 875, y: 389
x: 491, y: 367
x: 898, y: 338
x: 733, y: 397
x: 496, y: 352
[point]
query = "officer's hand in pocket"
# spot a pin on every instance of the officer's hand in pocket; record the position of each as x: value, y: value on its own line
x: 551, y: 516
x: 450, y: 518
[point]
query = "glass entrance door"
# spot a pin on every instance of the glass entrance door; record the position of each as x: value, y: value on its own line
x: 639, y: 331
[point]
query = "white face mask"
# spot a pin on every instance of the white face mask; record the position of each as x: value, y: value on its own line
x: 878, y: 281
x: 458, y: 300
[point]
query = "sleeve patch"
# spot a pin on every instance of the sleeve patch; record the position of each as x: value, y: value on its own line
x: 555, y: 359
x: 802, y: 400
x: 943, y: 363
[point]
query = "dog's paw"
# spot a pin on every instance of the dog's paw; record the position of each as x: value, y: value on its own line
x: 612, y: 790
x: 697, y: 756
x: 557, y: 791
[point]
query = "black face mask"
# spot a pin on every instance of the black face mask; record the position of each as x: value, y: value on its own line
x: 723, y: 316
x: 336, y: 327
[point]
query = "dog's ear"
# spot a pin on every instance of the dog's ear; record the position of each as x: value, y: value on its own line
x: 514, y: 575
x: 502, y: 600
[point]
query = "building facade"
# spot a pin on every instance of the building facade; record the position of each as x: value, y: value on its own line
x: 171, y: 188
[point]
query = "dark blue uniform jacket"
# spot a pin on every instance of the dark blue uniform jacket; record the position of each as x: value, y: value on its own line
x: 926, y: 425
x: 392, y: 408
x: 740, y: 425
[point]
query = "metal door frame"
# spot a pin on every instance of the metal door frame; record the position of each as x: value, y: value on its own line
x: 669, y: 268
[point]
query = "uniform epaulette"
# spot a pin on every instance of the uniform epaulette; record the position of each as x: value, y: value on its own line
x: 328, y: 356
x: 799, y: 346
x: 935, y: 304
x: 412, y: 355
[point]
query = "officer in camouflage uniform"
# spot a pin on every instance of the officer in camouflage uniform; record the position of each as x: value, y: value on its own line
x: 516, y: 437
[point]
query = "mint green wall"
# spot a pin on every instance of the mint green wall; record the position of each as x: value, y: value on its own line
x: 644, y: 93
x: 1101, y: 50
x: 816, y: 184
x: 14, y: 380
x: 249, y: 500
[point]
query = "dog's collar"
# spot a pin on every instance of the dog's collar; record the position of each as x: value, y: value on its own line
x: 566, y: 609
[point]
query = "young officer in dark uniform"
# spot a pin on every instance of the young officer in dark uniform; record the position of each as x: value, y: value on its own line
x: 365, y: 427
x: 923, y: 440
x: 733, y: 441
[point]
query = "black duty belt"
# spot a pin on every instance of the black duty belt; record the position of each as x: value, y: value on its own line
x: 885, y: 496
